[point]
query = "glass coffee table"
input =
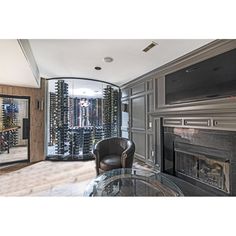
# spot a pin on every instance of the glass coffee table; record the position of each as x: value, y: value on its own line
x: 132, y: 182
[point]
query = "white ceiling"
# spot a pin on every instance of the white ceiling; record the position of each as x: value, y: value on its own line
x: 78, y: 57
x: 14, y: 68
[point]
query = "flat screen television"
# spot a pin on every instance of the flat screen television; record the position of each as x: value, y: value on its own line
x: 209, y: 79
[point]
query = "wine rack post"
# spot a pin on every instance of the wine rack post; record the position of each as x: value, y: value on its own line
x: 110, y: 112
x: 62, y: 122
x: 52, y: 119
x: 87, y: 142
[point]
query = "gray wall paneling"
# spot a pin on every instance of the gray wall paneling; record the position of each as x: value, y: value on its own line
x: 152, y: 87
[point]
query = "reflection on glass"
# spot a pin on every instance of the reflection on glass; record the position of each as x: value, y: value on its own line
x: 132, y: 182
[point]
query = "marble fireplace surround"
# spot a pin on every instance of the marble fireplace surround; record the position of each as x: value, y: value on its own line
x: 203, y: 134
x: 205, y: 158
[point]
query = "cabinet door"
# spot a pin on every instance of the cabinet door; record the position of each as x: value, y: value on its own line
x: 138, y: 112
x: 140, y: 144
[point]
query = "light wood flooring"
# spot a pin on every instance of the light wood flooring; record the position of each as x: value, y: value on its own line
x: 48, y: 178
x: 16, y: 154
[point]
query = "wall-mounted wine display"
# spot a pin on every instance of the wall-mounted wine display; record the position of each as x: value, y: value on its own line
x: 80, y: 117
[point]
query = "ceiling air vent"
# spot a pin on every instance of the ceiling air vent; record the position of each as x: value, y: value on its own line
x: 150, y: 46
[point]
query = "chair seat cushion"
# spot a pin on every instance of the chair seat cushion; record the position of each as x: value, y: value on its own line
x: 110, y: 162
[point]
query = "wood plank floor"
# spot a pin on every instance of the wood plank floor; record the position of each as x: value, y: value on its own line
x: 48, y: 179
x: 16, y: 154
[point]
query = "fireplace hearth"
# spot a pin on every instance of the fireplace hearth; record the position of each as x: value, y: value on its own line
x: 205, y: 158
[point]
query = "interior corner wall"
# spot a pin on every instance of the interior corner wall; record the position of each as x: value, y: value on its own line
x: 37, y: 119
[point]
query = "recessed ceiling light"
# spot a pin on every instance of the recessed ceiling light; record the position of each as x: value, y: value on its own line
x: 108, y: 59
x: 97, y: 68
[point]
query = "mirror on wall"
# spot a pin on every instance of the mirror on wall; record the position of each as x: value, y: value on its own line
x: 14, y: 129
x: 80, y: 113
x: 125, y: 119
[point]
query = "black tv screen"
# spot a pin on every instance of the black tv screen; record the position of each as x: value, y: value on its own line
x: 212, y: 78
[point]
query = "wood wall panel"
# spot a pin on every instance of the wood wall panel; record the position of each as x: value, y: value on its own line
x: 37, y: 123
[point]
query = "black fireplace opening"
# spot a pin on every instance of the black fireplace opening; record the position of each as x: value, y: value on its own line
x: 200, y: 163
x: 204, y: 158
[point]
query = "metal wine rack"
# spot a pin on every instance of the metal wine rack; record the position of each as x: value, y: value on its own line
x: 9, y: 135
x: 76, y: 111
x: 98, y: 133
x: 93, y: 119
x: 52, y: 119
x: 87, y: 143
x: 71, y: 111
x: 81, y: 143
x: 9, y: 116
x: 76, y: 140
x: 5, y: 120
x: 13, y: 138
x: 62, y: 121
x: 114, y: 112
x: 3, y: 142
x: 110, y: 111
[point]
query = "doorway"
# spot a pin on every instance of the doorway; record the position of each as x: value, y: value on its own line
x: 14, y: 129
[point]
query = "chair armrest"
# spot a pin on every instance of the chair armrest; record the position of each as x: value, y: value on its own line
x: 97, y: 160
x: 127, y: 156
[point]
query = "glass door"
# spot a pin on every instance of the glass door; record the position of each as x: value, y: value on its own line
x: 14, y: 129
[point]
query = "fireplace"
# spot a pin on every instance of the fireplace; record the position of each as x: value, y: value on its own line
x: 205, y: 158
x: 201, y: 164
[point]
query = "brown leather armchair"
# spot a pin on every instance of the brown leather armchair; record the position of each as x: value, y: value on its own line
x: 113, y: 153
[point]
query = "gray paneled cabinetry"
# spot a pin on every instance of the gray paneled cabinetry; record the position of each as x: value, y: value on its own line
x: 139, y: 99
x: 138, y: 113
x: 138, y: 129
x: 149, y: 113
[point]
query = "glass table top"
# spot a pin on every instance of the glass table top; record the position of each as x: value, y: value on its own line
x: 132, y: 182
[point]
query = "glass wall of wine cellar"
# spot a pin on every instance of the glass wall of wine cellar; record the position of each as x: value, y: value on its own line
x: 14, y: 129
x: 80, y: 113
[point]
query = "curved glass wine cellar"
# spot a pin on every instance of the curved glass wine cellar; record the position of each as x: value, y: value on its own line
x: 80, y: 113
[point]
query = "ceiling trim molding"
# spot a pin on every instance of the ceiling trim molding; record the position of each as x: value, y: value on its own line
x: 27, y: 51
